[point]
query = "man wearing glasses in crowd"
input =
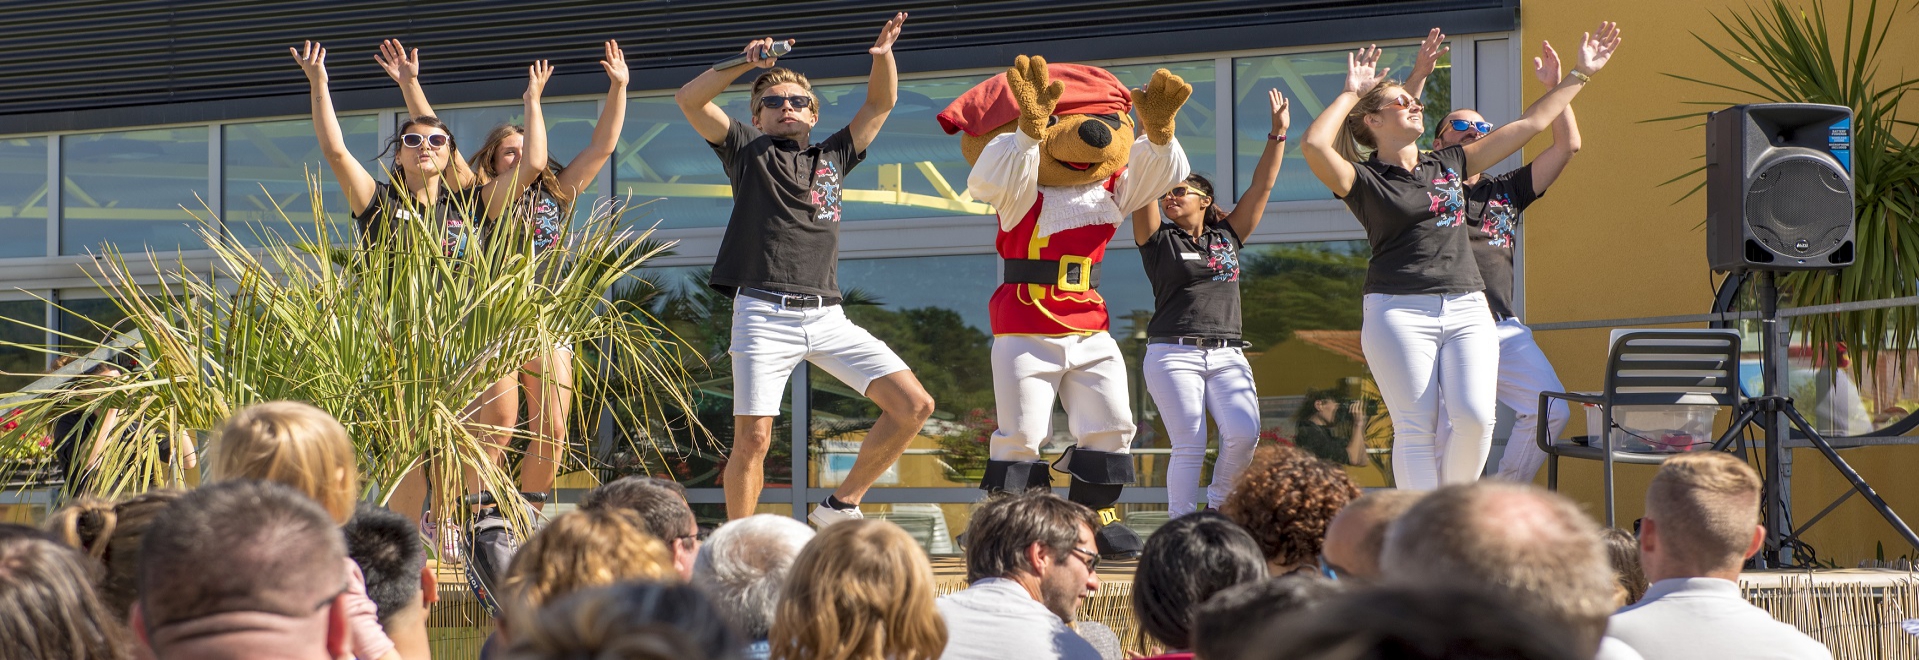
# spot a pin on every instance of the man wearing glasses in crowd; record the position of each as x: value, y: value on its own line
x: 778, y: 260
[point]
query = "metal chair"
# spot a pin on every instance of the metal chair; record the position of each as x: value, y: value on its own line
x: 1649, y: 368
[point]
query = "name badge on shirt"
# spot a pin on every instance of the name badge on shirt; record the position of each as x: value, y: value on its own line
x: 1189, y: 256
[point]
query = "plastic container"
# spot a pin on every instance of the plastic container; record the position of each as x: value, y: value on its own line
x: 1654, y: 429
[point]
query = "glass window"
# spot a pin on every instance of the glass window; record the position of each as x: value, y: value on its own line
x: 23, y: 197
x: 1310, y: 81
x: 1197, y: 125
x: 80, y: 316
x: 133, y: 189
x: 266, y: 165
x: 20, y: 323
x: 569, y: 128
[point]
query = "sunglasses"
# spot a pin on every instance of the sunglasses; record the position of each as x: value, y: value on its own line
x: 1464, y: 125
x: 414, y: 140
x: 781, y: 102
x: 1183, y: 191
x: 1406, y: 102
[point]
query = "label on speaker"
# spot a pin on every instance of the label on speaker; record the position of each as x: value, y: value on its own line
x: 1839, y: 142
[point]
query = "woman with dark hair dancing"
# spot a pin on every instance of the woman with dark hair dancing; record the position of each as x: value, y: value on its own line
x: 1194, y: 364
x: 1427, y: 327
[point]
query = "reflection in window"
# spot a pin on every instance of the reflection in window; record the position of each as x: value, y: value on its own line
x: 23, y: 197
x: 266, y: 165
x: 1310, y: 81
x: 1197, y: 125
x: 132, y: 189
x: 569, y: 128
x: 91, y: 319
x: 19, y: 324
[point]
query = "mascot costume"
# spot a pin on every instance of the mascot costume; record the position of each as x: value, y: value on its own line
x: 1053, y: 150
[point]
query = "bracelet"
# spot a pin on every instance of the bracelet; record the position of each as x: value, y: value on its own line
x: 1582, y: 77
x: 1275, y: 138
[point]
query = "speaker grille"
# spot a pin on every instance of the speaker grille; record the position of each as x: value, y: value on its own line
x: 1799, y: 207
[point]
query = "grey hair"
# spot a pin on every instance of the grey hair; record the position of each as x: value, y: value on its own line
x: 743, y: 568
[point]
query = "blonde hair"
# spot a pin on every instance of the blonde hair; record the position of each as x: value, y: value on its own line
x: 861, y: 590
x: 1355, y: 139
x: 1706, y: 505
x: 482, y: 162
x: 583, y: 549
x: 778, y: 75
x: 295, y: 444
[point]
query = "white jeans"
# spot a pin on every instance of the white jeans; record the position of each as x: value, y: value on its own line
x: 1086, y: 373
x: 1524, y: 372
x: 1416, y: 347
x: 770, y: 339
x: 1187, y: 382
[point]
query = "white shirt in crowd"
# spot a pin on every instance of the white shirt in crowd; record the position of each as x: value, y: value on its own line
x: 1706, y: 618
x: 996, y: 619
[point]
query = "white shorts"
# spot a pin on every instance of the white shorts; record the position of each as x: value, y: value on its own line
x: 770, y: 339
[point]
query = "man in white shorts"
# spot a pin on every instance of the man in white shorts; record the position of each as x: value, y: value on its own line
x: 778, y: 259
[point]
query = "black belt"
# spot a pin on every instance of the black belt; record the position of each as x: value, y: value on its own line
x: 1067, y: 273
x: 794, y: 300
x: 1201, y: 342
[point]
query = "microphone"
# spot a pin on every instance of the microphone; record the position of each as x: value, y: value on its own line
x: 778, y: 49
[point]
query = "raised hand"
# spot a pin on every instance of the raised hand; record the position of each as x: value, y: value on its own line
x: 1362, y: 70
x: 1358, y: 409
x: 1038, y: 95
x: 1159, y: 103
x: 1595, y: 48
x: 759, y: 52
x: 1546, y: 66
x: 615, y: 64
x: 888, y: 35
x: 1282, y: 111
x: 399, y: 63
x: 536, y: 77
x: 1429, y: 52
x: 312, y: 59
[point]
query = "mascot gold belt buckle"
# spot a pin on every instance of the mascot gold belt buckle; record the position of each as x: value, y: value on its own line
x: 1075, y: 273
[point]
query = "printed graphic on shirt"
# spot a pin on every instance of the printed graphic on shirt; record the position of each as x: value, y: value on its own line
x: 1498, y: 221
x: 456, y: 237
x: 546, y: 222
x: 826, y: 192
x: 1223, y: 260
x: 1450, y: 201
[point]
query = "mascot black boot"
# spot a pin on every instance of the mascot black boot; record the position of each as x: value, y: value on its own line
x: 1016, y: 476
x: 1098, y: 479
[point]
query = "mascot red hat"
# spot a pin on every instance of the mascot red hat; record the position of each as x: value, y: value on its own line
x: 990, y: 105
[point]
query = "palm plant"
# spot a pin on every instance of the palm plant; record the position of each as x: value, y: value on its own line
x: 1786, y: 54
x: 395, y: 338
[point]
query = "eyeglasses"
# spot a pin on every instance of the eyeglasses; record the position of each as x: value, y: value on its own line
x: 1406, y: 102
x: 414, y: 140
x: 1091, y: 558
x: 1464, y: 125
x: 798, y: 102
x: 1183, y: 191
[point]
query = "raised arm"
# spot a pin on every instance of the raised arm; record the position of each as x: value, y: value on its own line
x: 1252, y: 205
x: 500, y: 191
x: 353, y: 177
x: 403, y: 66
x: 606, y: 132
x: 1548, y: 165
x: 1594, y: 50
x: 882, y: 86
x: 696, y: 97
x: 1429, y: 51
x: 1321, y: 146
x: 1146, y: 221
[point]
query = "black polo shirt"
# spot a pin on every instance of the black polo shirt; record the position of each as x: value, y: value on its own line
x: 453, y: 211
x: 1416, y: 223
x: 784, y: 234
x: 1492, y: 211
x: 1195, y: 281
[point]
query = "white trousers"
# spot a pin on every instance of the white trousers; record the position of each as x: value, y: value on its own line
x: 1524, y: 372
x: 1187, y: 382
x: 1417, y: 346
x: 1085, y: 373
x: 770, y: 339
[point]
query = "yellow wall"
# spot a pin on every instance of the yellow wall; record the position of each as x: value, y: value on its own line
x: 1608, y: 242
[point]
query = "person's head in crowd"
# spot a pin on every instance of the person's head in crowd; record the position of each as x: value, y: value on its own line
x: 582, y: 549
x: 1285, y: 499
x: 861, y: 590
x: 266, y: 578
x: 1423, y: 622
x: 1184, y: 563
x: 744, y: 565
x: 294, y: 444
x: 1622, y: 551
x: 388, y: 550
x: 1039, y: 540
x: 1532, y: 544
x: 1358, y: 533
x: 110, y: 533
x: 632, y: 621
x: 1702, y: 518
x: 48, y: 608
x: 662, y: 508
x: 1227, y: 625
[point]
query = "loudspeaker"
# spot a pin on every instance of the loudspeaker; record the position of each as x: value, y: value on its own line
x: 1779, y: 187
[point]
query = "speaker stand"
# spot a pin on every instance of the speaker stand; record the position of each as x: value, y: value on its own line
x: 1776, y: 412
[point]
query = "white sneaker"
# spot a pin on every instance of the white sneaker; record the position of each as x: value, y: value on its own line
x: 824, y: 515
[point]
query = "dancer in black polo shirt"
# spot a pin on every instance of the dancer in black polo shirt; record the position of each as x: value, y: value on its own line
x: 1193, y: 362
x: 1426, y: 326
x: 779, y: 257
